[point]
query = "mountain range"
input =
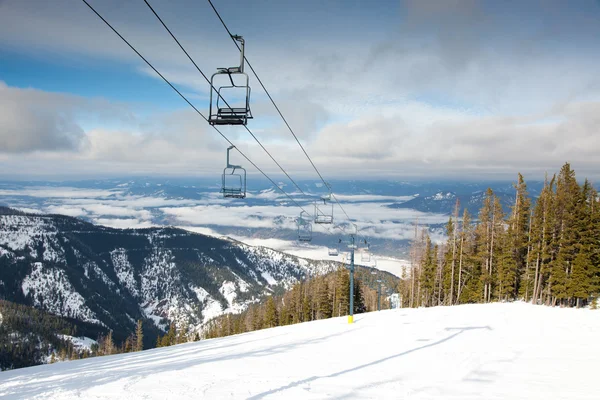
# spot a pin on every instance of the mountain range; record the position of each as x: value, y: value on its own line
x: 113, y: 277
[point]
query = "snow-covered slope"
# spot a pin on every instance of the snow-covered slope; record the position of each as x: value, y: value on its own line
x: 493, y: 351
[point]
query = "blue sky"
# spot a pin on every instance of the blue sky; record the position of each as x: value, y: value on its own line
x: 374, y: 89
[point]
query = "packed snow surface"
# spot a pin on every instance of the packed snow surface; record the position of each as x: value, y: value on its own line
x: 493, y: 351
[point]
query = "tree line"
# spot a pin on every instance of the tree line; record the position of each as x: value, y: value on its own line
x: 320, y: 297
x: 29, y: 336
x: 543, y: 253
x: 105, y: 344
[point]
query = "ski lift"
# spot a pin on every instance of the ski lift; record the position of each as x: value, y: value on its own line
x: 304, y: 227
x: 234, y: 180
x: 322, y: 216
x: 232, y: 103
x: 365, y: 255
x: 333, y: 252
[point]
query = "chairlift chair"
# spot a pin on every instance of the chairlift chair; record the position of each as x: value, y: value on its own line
x: 304, y: 227
x: 233, y: 180
x: 365, y: 256
x: 333, y: 252
x: 322, y: 216
x: 226, y: 108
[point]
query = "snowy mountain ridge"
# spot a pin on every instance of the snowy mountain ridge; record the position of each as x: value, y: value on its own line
x: 114, y: 277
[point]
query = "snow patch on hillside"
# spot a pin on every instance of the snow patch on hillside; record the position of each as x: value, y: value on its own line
x: 270, y: 280
x: 102, y: 275
x: 79, y: 343
x: 212, y: 308
x: 51, y: 290
x: 5, y: 253
x: 53, y: 251
x: 150, y: 313
x: 18, y: 232
x: 124, y: 270
x: 442, y: 196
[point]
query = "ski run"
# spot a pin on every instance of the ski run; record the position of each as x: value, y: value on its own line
x: 487, y: 351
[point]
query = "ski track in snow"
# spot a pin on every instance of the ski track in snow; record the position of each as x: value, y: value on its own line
x: 493, y: 351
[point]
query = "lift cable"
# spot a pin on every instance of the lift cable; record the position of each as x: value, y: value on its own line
x: 279, y: 111
x: 190, y: 104
x: 219, y: 94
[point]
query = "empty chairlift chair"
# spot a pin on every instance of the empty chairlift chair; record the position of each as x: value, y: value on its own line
x: 323, y: 215
x: 234, y: 180
x: 230, y: 94
x: 304, y: 227
x: 365, y: 254
x: 333, y: 252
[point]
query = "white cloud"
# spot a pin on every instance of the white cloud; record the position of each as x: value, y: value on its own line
x: 304, y: 250
x: 67, y: 210
x: 458, y: 90
x: 248, y: 217
x: 29, y: 210
x: 60, y: 192
x: 357, y: 198
x: 115, y: 211
x: 123, y: 223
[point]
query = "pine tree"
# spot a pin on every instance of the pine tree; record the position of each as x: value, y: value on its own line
x: 594, y: 206
x: 324, y: 302
x: 342, y: 306
x: 465, y: 256
x: 448, y: 276
x: 359, y: 304
x: 506, y: 265
x: 427, y: 279
x: 579, y: 286
x: 484, y: 234
x: 128, y: 345
x: 139, y: 336
x: 270, y: 313
x: 542, y: 238
x: 568, y: 207
x: 518, y: 231
x: 109, y: 345
x: 182, y: 333
x: 170, y: 338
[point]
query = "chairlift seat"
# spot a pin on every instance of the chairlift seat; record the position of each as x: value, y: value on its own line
x: 304, y: 238
x: 324, y: 219
x: 235, y: 193
x: 333, y: 252
x: 230, y: 116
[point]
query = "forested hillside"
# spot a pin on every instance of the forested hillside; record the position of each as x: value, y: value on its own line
x: 321, y: 297
x: 29, y: 336
x: 546, y: 253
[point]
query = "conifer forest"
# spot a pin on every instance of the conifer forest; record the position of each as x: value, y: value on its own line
x: 543, y: 252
